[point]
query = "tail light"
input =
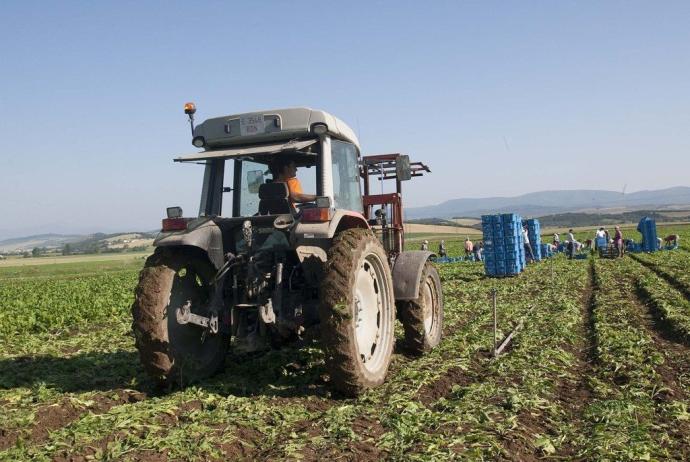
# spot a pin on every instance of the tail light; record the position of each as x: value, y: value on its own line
x: 174, y: 224
x: 317, y: 214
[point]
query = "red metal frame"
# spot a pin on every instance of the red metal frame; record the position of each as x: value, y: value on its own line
x: 383, y: 167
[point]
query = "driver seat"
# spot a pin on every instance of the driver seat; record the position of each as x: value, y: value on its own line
x: 274, y: 199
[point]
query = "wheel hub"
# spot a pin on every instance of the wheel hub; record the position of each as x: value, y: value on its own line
x: 429, y: 302
x: 368, y: 305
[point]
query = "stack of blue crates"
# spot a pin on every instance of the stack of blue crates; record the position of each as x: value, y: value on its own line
x: 504, y: 250
x: 647, y: 227
x: 534, y: 234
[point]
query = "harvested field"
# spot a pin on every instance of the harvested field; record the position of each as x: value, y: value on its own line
x: 440, y: 229
x: 598, y: 372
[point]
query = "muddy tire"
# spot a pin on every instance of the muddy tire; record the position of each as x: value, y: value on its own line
x: 422, y: 318
x: 170, y: 352
x: 357, y: 312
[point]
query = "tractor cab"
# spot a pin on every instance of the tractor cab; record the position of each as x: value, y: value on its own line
x: 239, y: 151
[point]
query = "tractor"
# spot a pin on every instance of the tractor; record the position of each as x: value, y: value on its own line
x: 255, y: 270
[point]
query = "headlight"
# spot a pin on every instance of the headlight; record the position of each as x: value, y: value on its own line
x: 199, y: 141
x: 319, y: 129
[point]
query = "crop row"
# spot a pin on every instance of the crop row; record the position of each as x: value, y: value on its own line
x: 670, y: 306
x: 672, y: 266
x: 53, y: 304
x: 624, y: 416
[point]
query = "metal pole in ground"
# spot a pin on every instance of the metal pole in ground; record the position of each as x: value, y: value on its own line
x: 493, y: 298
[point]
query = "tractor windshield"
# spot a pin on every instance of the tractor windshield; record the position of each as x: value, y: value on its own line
x: 251, y: 174
x: 243, y: 175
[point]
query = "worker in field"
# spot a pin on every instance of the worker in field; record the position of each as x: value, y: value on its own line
x: 442, y: 249
x: 599, y: 238
x: 672, y: 240
x: 469, y: 247
x: 571, y: 244
x: 478, y: 247
x: 528, y: 247
x: 556, y: 240
x: 618, y: 242
x: 425, y: 245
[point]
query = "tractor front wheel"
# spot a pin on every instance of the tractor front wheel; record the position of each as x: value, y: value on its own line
x: 422, y: 318
x: 357, y: 312
x: 169, y: 351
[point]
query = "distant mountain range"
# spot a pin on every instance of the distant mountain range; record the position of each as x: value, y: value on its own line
x: 551, y: 202
x: 39, y: 240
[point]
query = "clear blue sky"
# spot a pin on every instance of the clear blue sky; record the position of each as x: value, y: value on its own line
x: 499, y: 98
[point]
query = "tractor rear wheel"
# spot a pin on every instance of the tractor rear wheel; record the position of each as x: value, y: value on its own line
x: 422, y: 318
x: 169, y: 351
x: 357, y: 312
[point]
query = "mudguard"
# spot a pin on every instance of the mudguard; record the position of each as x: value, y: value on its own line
x: 201, y: 233
x: 407, y: 271
x: 320, y: 234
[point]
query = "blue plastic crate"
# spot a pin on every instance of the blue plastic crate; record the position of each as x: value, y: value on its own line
x: 499, y: 244
x: 511, y: 232
x: 647, y: 227
x: 512, y: 250
x: 510, y: 218
x: 511, y: 241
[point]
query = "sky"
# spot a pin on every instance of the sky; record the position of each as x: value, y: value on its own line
x: 498, y: 98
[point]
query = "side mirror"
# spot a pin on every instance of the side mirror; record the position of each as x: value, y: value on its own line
x: 402, y: 168
x: 255, y: 178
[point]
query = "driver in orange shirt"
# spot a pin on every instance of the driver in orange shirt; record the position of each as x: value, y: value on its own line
x: 284, y: 171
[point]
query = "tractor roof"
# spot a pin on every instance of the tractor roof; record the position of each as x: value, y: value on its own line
x: 272, y: 126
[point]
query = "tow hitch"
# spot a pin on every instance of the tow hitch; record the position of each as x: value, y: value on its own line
x: 184, y: 315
